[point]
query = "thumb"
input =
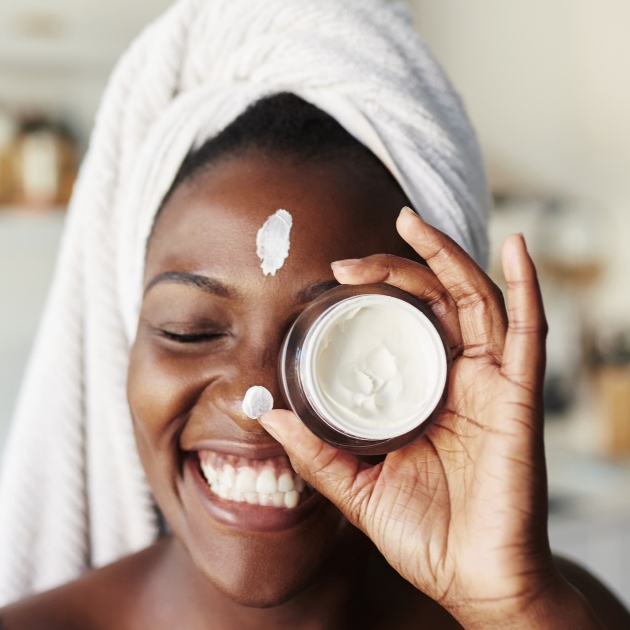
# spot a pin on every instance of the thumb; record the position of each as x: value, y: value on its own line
x: 341, y: 477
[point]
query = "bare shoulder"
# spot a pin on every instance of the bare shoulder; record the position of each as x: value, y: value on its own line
x: 103, y: 598
x: 612, y: 613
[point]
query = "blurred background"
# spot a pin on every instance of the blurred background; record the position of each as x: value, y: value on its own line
x: 547, y: 85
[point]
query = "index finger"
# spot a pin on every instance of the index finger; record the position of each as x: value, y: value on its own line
x: 524, y: 356
x: 480, y: 305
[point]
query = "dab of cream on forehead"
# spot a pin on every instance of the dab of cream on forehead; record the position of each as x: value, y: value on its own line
x: 272, y: 241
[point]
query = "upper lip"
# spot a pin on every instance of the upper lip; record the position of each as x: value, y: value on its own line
x: 241, y: 449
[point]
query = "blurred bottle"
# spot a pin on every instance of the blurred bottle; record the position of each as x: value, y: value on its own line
x: 45, y: 159
x: 570, y: 242
x: 569, y: 256
x: 612, y: 348
x: 7, y: 134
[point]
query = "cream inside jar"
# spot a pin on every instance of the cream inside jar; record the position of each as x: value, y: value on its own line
x: 374, y: 366
x: 366, y: 368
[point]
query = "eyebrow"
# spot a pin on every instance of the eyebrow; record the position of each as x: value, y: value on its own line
x: 201, y: 282
x: 215, y: 287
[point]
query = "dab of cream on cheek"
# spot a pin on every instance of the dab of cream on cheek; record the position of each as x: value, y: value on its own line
x: 374, y: 366
x: 257, y: 401
x: 273, y: 241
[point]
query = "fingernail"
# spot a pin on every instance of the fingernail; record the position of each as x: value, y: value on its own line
x: 406, y: 210
x: 345, y: 263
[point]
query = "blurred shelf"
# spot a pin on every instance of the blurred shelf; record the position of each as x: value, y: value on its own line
x: 9, y: 213
x: 62, y: 36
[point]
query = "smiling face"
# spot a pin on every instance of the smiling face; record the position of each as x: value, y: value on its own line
x: 211, y: 326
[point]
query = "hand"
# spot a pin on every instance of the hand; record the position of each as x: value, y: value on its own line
x: 461, y: 512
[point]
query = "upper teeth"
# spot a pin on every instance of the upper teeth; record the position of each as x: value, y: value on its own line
x: 265, y: 487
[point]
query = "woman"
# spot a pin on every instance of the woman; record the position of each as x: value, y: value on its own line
x: 448, y: 532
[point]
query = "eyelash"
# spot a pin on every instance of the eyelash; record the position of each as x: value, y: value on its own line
x: 190, y: 337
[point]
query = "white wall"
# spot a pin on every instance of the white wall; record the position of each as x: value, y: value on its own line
x: 547, y: 85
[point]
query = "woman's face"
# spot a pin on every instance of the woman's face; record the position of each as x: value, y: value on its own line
x: 210, y: 327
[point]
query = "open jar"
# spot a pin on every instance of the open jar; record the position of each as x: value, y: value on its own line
x: 366, y: 368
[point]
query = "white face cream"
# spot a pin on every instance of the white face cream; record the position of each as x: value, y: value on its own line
x: 273, y: 241
x: 374, y: 366
x: 258, y: 400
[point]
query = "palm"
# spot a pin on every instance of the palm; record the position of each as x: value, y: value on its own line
x: 440, y: 508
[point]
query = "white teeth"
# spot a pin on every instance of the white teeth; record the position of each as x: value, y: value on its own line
x: 291, y: 499
x: 246, y: 480
x: 277, y: 498
x: 228, y: 476
x: 242, y: 484
x: 266, y: 482
x: 285, y: 482
x: 210, y: 473
x: 224, y: 492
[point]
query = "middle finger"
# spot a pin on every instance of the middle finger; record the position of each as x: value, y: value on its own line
x: 480, y: 304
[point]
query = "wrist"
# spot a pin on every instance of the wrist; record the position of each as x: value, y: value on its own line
x: 554, y: 605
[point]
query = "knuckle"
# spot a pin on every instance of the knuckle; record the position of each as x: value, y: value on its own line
x: 528, y: 327
x: 439, y: 246
x: 384, y: 265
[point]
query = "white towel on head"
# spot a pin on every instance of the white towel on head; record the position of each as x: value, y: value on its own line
x: 72, y: 491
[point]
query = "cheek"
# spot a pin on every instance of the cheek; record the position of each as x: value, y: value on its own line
x: 163, y: 387
x: 157, y: 396
x: 152, y: 392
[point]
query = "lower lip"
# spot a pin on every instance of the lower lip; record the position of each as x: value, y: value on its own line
x: 246, y: 516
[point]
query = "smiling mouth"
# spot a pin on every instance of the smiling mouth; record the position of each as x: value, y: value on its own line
x: 269, y: 482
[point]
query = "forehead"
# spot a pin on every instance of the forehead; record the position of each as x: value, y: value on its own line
x: 210, y: 223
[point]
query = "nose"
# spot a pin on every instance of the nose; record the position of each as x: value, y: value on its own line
x: 253, y: 365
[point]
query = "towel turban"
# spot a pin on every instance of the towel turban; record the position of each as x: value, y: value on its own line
x: 72, y: 491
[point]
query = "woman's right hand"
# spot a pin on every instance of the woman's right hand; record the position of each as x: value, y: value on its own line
x: 462, y: 511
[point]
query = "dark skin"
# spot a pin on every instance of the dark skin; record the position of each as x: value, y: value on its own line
x: 203, y: 341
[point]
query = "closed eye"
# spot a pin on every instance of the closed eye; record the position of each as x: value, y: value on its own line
x: 191, y: 337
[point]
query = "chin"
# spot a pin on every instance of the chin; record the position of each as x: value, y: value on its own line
x: 253, y: 592
x: 264, y: 570
x: 257, y: 555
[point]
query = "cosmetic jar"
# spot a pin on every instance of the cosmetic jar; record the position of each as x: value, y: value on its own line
x: 366, y: 368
